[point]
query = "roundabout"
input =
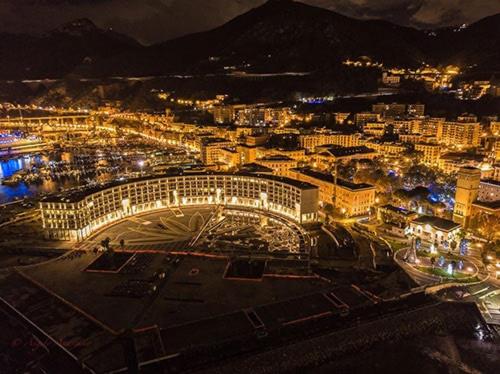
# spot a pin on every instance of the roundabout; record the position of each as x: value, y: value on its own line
x: 427, y: 269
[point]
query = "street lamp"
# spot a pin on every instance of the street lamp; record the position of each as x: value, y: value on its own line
x: 141, y: 165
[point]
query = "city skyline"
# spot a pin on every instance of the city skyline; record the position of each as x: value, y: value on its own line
x: 295, y: 191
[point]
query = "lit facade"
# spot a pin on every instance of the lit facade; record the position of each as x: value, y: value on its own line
x: 311, y: 141
x: 434, y: 229
x: 224, y: 114
x: 460, y: 134
x: 489, y: 190
x: 352, y: 199
x: 76, y: 216
x: 295, y: 154
x: 210, y: 149
x: 430, y: 153
x: 391, y: 149
x: 376, y: 129
x: 328, y: 156
x: 364, y: 117
x: 495, y: 128
x: 278, y: 164
x: 468, y: 180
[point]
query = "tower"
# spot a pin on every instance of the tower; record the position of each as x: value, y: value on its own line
x: 467, y: 189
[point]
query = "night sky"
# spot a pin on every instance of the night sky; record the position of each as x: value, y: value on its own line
x: 151, y: 21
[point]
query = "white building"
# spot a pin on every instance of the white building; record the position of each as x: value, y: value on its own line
x: 76, y: 215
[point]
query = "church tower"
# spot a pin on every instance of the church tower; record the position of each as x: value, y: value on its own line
x: 468, y: 180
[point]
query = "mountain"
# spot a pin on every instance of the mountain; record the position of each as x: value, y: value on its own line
x: 279, y: 36
x: 283, y: 35
x: 59, y: 51
x: 475, y: 44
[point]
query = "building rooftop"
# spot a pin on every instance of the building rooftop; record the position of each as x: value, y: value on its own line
x: 329, y: 178
x: 463, y: 156
x: 398, y: 210
x: 213, y: 140
x: 347, y: 151
x: 488, y: 205
x: 277, y: 158
x: 491, y: 181
x: 437, y: 222
x: 254, y: 167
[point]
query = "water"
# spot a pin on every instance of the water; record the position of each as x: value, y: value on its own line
x: 11, y: 193
x: 21, y: 190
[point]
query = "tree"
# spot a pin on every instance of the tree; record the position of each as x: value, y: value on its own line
x: 105, y: 243
x: 418, y: 243
x: 463, y: 246
x: 487, y: 226
x: 436, y: 245
x: 453, y: 266
x: 453, y: 244
x: 329, y: 210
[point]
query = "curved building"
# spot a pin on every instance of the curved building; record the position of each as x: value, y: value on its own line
x: 77, y: 214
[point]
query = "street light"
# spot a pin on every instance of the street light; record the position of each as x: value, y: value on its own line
x: 141, y: 165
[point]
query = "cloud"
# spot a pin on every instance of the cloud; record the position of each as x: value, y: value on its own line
x: 419, y: 13
x: 452, y: 12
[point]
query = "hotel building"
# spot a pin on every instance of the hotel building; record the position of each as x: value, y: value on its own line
x: 76, y: 215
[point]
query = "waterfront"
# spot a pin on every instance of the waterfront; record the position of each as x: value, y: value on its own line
x: 10, y: 167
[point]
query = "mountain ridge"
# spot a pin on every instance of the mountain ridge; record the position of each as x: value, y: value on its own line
x: 278, y: 36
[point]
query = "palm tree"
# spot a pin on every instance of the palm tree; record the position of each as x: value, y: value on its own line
x: 453, y: 266
x: 329, y: 210
x: 436, y: 245
x: 105, y: 243
x: 418, y: 243
x: 461, y: 234
x: 488, y: 225
x: 453, y: 244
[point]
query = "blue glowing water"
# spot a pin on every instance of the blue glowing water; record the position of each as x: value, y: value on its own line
x: 19, y: 191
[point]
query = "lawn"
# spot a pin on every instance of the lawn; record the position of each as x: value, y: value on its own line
x: 447, y: 256
x: 443, y: 273
x: 396, y: 246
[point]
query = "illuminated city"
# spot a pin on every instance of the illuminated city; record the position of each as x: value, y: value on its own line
x: 299, y: 189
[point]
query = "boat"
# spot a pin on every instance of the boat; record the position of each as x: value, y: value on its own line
x: 13, y: 180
